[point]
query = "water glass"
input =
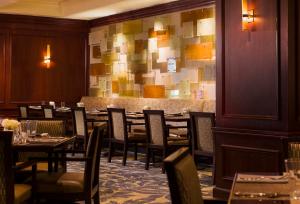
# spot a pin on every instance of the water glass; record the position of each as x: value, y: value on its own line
x: 295, y: 197
x: 292, y: 167
x: 29, y: 128
x: 62, y: 104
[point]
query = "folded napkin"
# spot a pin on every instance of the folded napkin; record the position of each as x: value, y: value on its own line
x: 249, y: 178
x: 35, y: 107
x: 63, y: 109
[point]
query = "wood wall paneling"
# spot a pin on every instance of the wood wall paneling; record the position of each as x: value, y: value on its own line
x: 247, y: 81
x: 252, y: 90
x: 26, y: 79
x: 3, y: 37
x: 33, y: 82
x: 297, y: 65
x: 245, y: 151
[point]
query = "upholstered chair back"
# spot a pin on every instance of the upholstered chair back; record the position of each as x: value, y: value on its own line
x: 52, y: 127
x: 6, y: 174
x: 294, y: 150
x: 155, y: 127
x: 48, y: 111
x: 23, y: 111
x: 202, y: 124
x: 117, y: 123
x: 79, y: 121
x: 183, y: 178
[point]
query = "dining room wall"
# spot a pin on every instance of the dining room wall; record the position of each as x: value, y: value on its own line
x: 25, y: 78
x: 257, y: 103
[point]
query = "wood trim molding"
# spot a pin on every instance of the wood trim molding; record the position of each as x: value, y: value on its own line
x: 261, y: 133
x: 151, y: 11
x: 43, y: 23
x: 239, y: 149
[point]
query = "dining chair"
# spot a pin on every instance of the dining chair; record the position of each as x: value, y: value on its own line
x: 158, y: 137
x: 118, y: 133
x: 183, y: 180
x: 10, y: 192
x: 23, y: 111
x: 54, y: 128
x: 80, y: 128
x: 71, y: 186
x: 202, y: 136
x: 48, y: 111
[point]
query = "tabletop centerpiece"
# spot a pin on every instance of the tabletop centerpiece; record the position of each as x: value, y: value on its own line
x: 12, y: 125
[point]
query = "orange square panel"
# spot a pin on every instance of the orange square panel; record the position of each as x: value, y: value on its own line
x: 199, y: 51
x: 154, y: 91
x: 115, y: 86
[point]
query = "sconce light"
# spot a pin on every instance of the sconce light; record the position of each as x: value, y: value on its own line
x: 247, y: 16
x: 47, y: 57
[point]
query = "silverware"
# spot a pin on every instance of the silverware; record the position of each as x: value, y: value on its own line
x: 260, y: 195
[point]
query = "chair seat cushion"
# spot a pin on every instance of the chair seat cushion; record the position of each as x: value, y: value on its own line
x: 139, y: 137
x: 179, y: 132
x: 60, y: 182
x: 175, y: 137
x: 183, y: 142
x: 22, y: 193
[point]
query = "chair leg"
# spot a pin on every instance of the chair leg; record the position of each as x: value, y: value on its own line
x: 110, y: 152
x: 125, y: 153
x: 88, y: 201
x: 153, y: 157
x: 165, y: 154
x: 96, y: 197
x: 135, y: 151
x: 147, y: 158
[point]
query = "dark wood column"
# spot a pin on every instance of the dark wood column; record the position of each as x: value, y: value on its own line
x: 257, y: 88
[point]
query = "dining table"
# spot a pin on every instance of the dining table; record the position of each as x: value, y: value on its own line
x: 262, y: 188
x: 46, y: 144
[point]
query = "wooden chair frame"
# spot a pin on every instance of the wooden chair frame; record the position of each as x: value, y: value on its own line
x: 126, y: 142
x: 91, y: 173
x: 165, y: 148
x: 80, y: 138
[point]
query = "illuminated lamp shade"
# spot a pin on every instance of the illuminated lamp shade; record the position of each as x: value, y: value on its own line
x: 154, y: 91
x: 247, y: 16
x: 47, y: 57
x: 206, y: 26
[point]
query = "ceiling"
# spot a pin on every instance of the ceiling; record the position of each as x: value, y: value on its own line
x: 74, y: 9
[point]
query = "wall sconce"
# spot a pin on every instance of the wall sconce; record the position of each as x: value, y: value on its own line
x: 247, y: 16
x: 47, y: 57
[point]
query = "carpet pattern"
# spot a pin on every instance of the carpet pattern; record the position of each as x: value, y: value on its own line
x: 132, y: 184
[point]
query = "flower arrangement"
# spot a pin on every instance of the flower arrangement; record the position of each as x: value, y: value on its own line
x: 10, y: 124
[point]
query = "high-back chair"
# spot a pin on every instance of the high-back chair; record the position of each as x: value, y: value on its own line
x: 80, y: 129
x: 202, y: 136
x: 183, y: 179
x: 158, y: 135
x: 48, y: 111
x: 10, y: 193
x: 53, y: 128
x: 118, y: 133
x: 70, y: 186
x: 23, y: 111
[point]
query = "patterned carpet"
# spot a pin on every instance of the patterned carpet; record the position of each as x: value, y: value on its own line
x: 133, y: 184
